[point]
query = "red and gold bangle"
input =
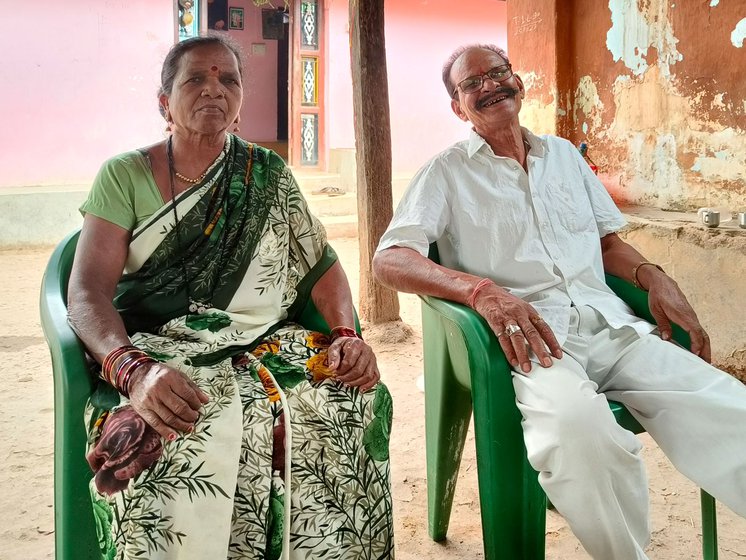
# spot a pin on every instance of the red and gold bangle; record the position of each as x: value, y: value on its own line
x: 124, y: 364
x: 123, y: 383
x: 108, y: 364
x: 110, y: 374
x: 120, y: 363
x: 340, y: 332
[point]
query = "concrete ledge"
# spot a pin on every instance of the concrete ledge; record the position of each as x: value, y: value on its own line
x: 39, y: 215
x: 709, y: 266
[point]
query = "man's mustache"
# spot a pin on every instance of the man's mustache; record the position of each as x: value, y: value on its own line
x: 502, y: 91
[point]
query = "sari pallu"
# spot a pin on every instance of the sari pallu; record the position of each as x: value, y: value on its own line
x: 284, y: 462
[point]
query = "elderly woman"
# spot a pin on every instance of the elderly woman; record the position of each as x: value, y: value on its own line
x: 222, y: 429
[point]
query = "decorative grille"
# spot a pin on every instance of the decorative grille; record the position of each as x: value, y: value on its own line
x: 309, y: 24
x: 310, y: 80
x: 309, y: 139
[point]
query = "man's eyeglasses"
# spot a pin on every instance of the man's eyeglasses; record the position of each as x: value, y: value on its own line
x: 474, y: 83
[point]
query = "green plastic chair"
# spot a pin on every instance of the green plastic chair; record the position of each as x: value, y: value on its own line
x: 75, y: 529
x: 465, y: 370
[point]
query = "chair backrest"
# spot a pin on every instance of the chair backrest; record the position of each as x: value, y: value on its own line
x: 75, y: 529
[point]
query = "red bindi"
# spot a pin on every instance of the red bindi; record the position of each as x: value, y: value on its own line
x: 214, y: 68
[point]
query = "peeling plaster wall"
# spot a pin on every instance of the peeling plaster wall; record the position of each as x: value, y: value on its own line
x: 708, y: 265
x: 659, y: 93
x: 658, y: 89
x: 533, y: 46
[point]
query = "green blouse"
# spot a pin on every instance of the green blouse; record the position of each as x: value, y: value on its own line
x: 124, y: 191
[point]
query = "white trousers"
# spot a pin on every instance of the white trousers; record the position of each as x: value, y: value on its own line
x: 590, y: 467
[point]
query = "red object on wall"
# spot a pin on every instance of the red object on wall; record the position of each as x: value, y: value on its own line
x: 583, y: 149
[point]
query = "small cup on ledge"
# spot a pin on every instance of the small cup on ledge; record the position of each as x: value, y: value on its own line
x: 742, y: 220
x: 710, y: 218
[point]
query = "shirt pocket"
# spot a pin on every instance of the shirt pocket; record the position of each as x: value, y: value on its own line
x: 569, y: 206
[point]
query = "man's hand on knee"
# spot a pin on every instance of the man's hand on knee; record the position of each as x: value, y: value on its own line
x: 518, y: 327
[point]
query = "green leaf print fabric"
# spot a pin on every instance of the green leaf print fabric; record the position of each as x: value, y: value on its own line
x: 284, y: 462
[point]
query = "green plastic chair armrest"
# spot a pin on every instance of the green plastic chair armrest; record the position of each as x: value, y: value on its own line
x: 637, y: 299
x: 75, y: 534
x: 483, y: 351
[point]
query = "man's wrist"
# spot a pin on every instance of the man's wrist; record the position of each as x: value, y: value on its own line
x: 641, y: 270
x: 482, y: 284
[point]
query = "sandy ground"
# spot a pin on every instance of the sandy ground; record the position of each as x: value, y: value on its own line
x: 26, y: 428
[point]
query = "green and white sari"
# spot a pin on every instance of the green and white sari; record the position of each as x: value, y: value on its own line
x: 284, y: 462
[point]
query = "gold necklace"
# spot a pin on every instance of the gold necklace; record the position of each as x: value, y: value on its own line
x: 189, y: 180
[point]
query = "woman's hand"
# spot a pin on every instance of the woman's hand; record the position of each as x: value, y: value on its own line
x: 166, y: 399
x: 354, y: 363
x: 128, y: 445
x: 516, y: 324
x: 669, y: 305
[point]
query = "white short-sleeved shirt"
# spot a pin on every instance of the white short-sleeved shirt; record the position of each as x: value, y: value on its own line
x: 536, y: 234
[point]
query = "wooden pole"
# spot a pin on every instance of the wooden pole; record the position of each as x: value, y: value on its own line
x: 373, y: 151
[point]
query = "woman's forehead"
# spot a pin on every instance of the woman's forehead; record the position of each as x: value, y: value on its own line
x: 209, y: 56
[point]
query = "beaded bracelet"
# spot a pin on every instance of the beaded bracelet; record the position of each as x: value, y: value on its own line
x: 635, y: 281
x: 340, y: 332
x: 484, y: 282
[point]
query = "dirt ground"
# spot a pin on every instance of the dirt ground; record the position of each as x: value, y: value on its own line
x: 26, y: 425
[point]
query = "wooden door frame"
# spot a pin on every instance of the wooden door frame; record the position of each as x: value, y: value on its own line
x: 296, y: 108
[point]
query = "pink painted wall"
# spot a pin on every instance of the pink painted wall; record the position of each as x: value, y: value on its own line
x: 83, y: 87
x: 79, y: 85
x: 259, y: 111
x: 420, y: 35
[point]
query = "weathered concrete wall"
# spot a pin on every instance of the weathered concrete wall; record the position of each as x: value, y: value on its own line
x: 708, y: 265
x: 656, y: 87
x: 534, y: 47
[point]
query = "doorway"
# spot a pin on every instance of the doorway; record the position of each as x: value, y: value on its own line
x: 283, y: 90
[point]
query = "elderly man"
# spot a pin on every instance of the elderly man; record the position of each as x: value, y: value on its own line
x: 525, y: 233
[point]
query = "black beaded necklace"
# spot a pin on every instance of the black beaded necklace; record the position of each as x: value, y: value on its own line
x: 194, y: 306
x: 228, y: 243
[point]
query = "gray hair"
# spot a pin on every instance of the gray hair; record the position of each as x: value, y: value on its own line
x: 172, y: 61
x: 455, y: 55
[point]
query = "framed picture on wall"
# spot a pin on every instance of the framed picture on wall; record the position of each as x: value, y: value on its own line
x: 235, y: 18
x: 217, y: 15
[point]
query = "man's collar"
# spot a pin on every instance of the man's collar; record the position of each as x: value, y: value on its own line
x: 475, y: 143
x: 539, y: 146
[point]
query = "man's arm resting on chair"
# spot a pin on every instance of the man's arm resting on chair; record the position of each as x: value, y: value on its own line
x: 667, y: 303
x: 405, y: 270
